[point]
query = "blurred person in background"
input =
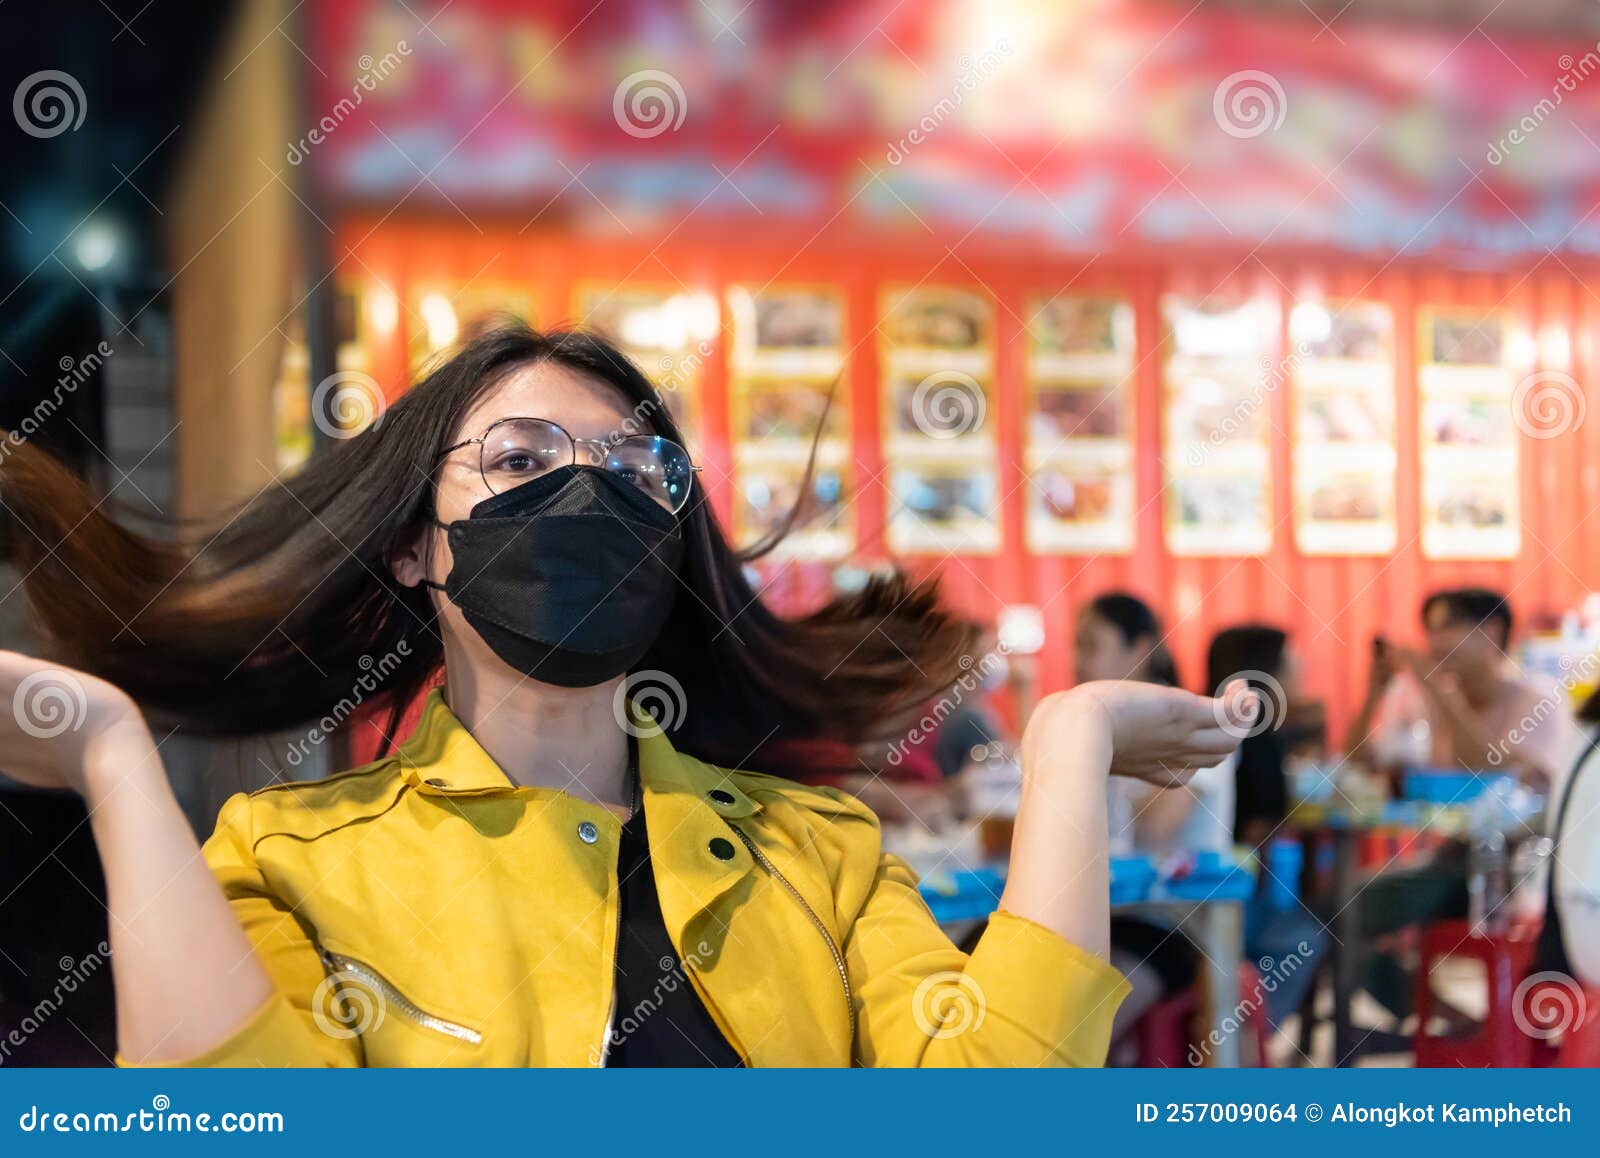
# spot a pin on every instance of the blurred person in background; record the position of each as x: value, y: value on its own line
x: 1461, y: 703
x: 1261, y: 654
x: 1120, y: 637
x: 466, y: 534
x: 1261, y: 785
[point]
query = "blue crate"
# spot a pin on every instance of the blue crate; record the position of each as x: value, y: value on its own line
x: 1131, y: 879
x: 1213, y: 878
x: 1447, y: 785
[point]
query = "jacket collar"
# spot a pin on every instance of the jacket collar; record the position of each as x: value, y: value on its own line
x: 441, y: 755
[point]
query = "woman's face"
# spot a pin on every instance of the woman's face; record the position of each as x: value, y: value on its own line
x: 584, y: 407
x: 1100, y: 652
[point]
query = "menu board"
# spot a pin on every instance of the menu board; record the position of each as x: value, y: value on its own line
x: 787, y: 361
x: 1219, y: 382
x: 441, y: 316
x: 1079, y: 439
x: 936, y: 347
x: 1469, y: 441
x: 1342, y: 363
x: 668, y: 334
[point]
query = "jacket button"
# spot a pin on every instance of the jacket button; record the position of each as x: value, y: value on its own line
x: 721, y: 849
x: 720, y: 796
x: 588, y: 833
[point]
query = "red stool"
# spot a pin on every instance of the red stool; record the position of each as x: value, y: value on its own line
x: 1560, y: 1008
x: 1166, y: 1032
x: 1498, y: 1041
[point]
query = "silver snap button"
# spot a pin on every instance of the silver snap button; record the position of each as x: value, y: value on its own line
x: 588, y: 833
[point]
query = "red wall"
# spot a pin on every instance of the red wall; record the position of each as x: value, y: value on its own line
x: 1331, y: 606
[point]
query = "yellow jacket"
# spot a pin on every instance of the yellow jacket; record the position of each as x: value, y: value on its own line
x: 455, y: 919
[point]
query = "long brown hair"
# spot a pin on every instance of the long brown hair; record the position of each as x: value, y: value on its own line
x: 269, y: 617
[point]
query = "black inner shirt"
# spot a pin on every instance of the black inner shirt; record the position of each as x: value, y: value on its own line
x: 658, y: 1018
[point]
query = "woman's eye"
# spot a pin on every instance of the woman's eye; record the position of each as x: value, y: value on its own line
x: 516, y: 462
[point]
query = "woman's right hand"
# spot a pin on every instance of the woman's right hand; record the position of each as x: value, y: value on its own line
x: 58, y: 725
x: 1158, y: 734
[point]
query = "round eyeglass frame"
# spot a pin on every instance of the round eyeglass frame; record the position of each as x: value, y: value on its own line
x: 602, y: 446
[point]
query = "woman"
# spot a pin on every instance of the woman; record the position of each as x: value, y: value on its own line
x: 1260, y: 654
x: 1291, y: 938
x: 539, y: 875
x: 1120, y: 637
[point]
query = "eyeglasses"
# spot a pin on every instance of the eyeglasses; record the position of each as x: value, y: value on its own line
x: 515, y: 450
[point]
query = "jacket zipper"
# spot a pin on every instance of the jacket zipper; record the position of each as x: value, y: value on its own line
x: 341, y: 966
x: 616, y: 949
x: 827, y: 937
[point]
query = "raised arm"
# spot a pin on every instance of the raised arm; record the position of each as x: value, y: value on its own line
x: 185, y: 974
x: 1059, y: 874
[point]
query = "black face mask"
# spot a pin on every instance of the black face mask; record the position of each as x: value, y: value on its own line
x: 569, y: 577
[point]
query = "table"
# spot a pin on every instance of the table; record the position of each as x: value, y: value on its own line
x: 1343, y: 832
x: 1211, y: 913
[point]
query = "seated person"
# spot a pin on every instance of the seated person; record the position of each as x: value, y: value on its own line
x: 1458, y: 704
x: 1461, y: 703
x: 1291, y: 938
x: 1162, y: 824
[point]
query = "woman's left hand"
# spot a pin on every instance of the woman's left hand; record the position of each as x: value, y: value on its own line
x: 1154, y: 733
